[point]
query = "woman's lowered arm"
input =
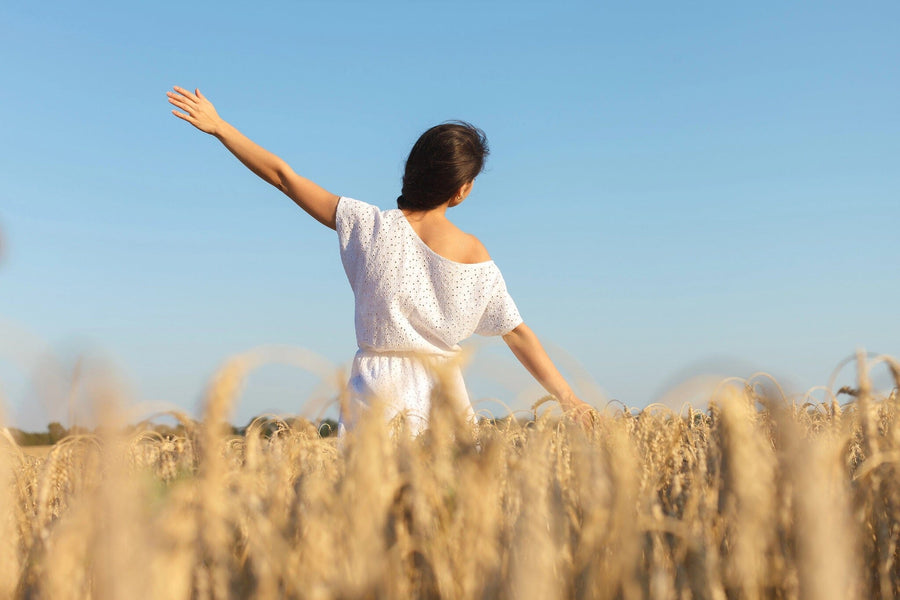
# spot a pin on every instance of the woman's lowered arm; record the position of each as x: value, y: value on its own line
x: 528, y: 349
x: 199, y: 112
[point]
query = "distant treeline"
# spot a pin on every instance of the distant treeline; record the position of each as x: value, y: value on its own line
x: 56, y: 431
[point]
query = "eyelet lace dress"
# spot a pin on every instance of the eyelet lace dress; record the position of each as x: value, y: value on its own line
x: 413, y: 308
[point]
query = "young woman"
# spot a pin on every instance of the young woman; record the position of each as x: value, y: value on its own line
x: 421, y: 284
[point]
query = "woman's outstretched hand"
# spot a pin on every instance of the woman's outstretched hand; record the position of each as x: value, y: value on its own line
x: 198, y: 111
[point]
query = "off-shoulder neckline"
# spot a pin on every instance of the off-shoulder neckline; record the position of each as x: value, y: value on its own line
x: 428, y: 248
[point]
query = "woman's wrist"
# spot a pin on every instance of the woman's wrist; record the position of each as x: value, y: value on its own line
x: 220, y: 129
x: 567, y: 398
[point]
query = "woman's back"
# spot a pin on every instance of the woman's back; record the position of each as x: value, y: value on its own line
x: 413, y: 307
x: 409, y: 298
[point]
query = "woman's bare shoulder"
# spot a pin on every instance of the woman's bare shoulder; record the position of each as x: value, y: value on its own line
x: 476, y: 251
x: 451, y: 242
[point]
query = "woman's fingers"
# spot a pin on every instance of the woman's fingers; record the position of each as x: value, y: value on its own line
x: 187, y: 94
x: 183, y: 106
x: 581, y: 413
x: 183, y: 116
x: 180, y: 98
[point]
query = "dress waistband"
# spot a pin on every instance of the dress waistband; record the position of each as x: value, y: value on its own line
x: 420, y: 354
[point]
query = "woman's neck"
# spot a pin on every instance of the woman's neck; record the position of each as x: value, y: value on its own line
x: 438, y: 213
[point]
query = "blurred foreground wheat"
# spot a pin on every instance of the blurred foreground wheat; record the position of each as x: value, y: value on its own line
x: 756, y: 497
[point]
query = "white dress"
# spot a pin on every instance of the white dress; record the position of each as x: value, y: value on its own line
x: 413, y: 307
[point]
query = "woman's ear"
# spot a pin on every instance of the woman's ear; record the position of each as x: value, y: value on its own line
x: 462, y: 193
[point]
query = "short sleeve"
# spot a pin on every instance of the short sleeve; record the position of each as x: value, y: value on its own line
x: 501, y: 314
x: 355, y: 223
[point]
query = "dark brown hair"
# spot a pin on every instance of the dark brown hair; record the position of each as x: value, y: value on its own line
x: 443, y: 159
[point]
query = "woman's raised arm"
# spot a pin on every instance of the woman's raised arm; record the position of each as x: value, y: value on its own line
x: 199, y: 112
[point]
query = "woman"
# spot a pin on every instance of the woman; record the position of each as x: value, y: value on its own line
x: 421, y: 285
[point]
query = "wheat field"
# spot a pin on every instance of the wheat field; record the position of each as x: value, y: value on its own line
x: 756, y: 496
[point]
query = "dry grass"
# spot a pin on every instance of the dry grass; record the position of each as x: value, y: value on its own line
x: 757, y: 497
x: 37, y: 451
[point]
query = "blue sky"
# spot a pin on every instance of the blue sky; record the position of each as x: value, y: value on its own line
x: 673, y: 189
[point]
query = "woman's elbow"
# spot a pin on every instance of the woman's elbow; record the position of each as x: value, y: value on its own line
x: 281, y: 176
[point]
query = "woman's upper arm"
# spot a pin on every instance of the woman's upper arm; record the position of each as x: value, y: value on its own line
x: 311, y: 197
x: 516, y: 333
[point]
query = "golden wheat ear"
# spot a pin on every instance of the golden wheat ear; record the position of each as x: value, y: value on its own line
x: 754, y: 496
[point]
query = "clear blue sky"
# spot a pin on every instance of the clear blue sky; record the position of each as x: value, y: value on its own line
x: 674, y: 188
